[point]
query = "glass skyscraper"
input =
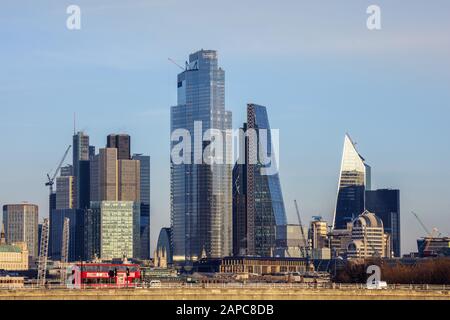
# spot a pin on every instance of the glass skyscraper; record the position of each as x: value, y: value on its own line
x: 258, y: 206
x: 201, y: 203
x: 145, y: 205
x: 354, y: 180
x: 385, y: 203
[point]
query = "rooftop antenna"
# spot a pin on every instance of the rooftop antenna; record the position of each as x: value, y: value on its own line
x: 74, y: 123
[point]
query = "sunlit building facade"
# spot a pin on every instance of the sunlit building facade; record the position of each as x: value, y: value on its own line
x: 354, y: 180
x: 201, y: 200
x: 115, y: 229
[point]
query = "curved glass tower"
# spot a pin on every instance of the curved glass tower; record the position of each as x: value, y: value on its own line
x: 354, y: 180
x: 258, y: 206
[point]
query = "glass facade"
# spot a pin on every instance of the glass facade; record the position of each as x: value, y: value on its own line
x: 258, y: 206
x: 76, y: 234
x: 115, y: 229
x: 80, y: 151
x: 145, y: 205
x: 165, y: 243
x: 385, y: 203
x: 201, y: 210
x: 354, y: 179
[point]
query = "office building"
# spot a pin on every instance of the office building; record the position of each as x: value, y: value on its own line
x: 385, y: 203
x: 112, y: 230
x: 433, y: 247
x: 201, y: 199
x: 66, y: 171
x: 129, y: 180
x: 112, y: 179
x: 290, y: 242
x: 122, y: 142
x: 339, y: 240
x: 104, y: 176
x: 354, y: 180
x: 21, y: 225
x: 164, y: 246
x: 14, y: 257
x: 80, y: 162
x: 368, y: 238
x: 76, y: 233
x: 319, y: 233
x: 145, y: 205
x: 258, y: 206
x: 65, y: 192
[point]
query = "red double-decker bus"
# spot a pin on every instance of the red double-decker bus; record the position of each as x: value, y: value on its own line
x: 108, y: 274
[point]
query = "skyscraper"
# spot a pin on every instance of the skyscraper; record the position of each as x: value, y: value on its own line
x: 258, y: 206
x: 201, y: 203
x: 145, y: 205
x: 354, y: 180
x: 123, y: 144
x: 65, y: 192
x: 385, y: 203
x: 21, y: 225
x: 81, y: 150
x: 112, y: 179
x: 104, y: 175
x: 113, y: 229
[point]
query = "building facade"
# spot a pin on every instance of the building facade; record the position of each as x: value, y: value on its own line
x: 385, y: 203
x: 290, y: 242
x: 21, y: 225
x: 164, y: 245
x: 14, y: 257
x: 354, y: 180
x: 258, y: 206
x: 65, y: 192
x: 112, y: 229
x: 368, y: 238
x: 80, y: 162
x: 122, y: 142
x: 201, y: 200
x: 145, y: 205
x: 76, y: 233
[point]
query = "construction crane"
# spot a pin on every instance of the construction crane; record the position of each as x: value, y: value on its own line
x: 305, y: 250
x: 434, y: 233
x: 65, y: 249
x: 175, y: 63
x: 51, y: 180
x: 43, y: 253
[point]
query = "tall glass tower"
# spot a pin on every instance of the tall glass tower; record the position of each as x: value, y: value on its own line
x: 258, y: 206
x: 201, y: 203
x: 354, y: 180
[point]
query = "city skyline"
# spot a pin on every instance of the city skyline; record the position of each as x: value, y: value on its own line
x: 397, y: 105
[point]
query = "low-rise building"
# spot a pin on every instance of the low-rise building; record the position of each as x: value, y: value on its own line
x: 14, y: 257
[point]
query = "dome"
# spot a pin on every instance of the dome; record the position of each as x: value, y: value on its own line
x: 368, y: 219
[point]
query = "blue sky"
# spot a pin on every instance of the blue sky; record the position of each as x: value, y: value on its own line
x: 314, y: 64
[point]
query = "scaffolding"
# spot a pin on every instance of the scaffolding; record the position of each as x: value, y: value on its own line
x: 65, y: 249
x: 43, y: 254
